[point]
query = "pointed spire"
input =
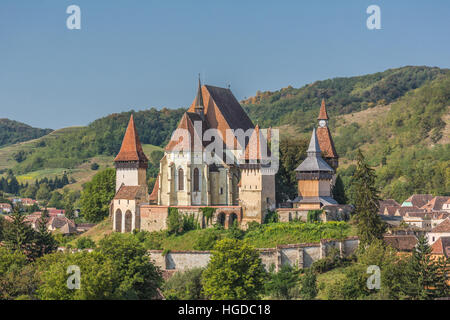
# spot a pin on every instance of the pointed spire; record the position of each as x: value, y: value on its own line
x: 314, y: 148
x: 131, y: 149
x: 199, y: 99
x: 323, y: 115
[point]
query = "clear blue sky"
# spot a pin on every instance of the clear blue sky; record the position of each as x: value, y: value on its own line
x: 142, y: 54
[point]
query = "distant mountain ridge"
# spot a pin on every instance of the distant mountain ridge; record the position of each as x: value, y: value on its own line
x: 13, y: 132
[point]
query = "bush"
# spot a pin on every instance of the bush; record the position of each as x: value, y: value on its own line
x: 85, y: 243
x: 184, y: 285
x: 308, y: 282
x: 271, y: 217
x: 94, y: 166
x: 283, y: 284
x: 206, y: 240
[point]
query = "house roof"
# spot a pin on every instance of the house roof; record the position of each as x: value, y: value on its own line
x: 388, y: 202
x: 326, y: 142
x: 436, y: 203
x: 128, y: 193
x: 441, y: 246
x: 401, y: 242
x: 131, y: 149
x: 442, y: 227
x: 314, y: 161
x: 419, y: 200
x: 323, y: 115
x: 403, y: 210
x: 416, y: 214
x: 389, y: 210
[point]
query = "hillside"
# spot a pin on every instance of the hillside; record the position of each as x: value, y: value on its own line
x: 13, y: 132
x: 299, y: 107
x: 405, y: 135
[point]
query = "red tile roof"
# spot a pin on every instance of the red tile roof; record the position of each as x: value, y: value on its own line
x: 401, y: 242
x: 131, y: 149
x: 441, y: 247
x: 443, y: 227
x: 128, y: 192
x: 189, y: 135
x: 436, y: 203
x: 326, y: 142
x: 323, y: 115
x: 419, y: 200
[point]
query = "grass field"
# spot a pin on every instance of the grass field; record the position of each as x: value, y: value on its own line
x: 327, y: 279
x: 267, y: 236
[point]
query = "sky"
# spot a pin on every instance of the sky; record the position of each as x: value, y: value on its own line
x: 138, y: 54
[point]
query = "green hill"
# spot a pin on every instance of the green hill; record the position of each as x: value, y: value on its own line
x: 13, y: 132
x: 399, y: 118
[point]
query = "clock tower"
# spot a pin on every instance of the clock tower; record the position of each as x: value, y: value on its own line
x: 325, y: 140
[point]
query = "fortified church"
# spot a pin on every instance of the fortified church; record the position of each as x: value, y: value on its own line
x: 236, y: 180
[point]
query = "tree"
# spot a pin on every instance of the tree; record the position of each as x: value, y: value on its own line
x: 427, y: 276
x: 140, y: 279
x: 235, y: 271
x: 308, y: 282
x: 184, y: 285
x: 97, y: 195
x: 339, y: 191
x: 44, y: 241
x: 282, y: 284
x: 19, y: 236
x: 43, y: 192
x: 366, y: 195
x: 94, y: 166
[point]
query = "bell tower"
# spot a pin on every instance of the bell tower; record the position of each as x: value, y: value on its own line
x: 325, y: 140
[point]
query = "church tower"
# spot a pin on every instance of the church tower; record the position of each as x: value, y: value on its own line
x: 131, y: 163
x: 314, y: 177
x: 324, y: 137
x: 257, y: 185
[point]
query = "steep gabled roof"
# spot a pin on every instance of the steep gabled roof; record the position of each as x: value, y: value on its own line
x: 401, y: 242
x: 223, y: 111
x: 154, y: 194
x: 131, y: 149
x: 403, y: 210
x: 326, y: 142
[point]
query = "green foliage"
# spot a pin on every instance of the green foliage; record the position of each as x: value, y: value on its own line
x: 271, y: 217
x: 208, y: 213
x: 235, y: 271
x: 178, y: 224
x: 292, y: 152
x: 339, y: 193
x: 184, y: 285
x: 308, y: 283
x: 314, y: 216
x: 331, y: 261
x: 94, y: 166
x: 97, y: 195
x: 13, y: 132
x: 207, y: 239
x: 366, y: 199
x: 85, y: 243
x: 283, y: 284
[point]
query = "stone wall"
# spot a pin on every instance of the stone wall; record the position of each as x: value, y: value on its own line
x: 296, y: 255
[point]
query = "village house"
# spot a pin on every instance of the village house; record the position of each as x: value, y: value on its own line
x: 420, y: 220
x: 436, y: 204
x: 417, y: 200
x: 441, y: 230
x: 441, y: 248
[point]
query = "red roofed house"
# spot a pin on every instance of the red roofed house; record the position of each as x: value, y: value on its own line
x: 441, y: 230
x: 441, y: 248
x: 5, y: 208
x: 436, y: 204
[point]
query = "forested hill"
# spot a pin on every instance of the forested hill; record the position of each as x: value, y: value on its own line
x: 300, y: 107
x: 13, y: 132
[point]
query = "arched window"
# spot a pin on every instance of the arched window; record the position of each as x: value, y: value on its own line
x: 196, y: 180
x: 180, y: 179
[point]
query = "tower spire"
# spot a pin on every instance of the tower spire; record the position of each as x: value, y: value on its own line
x: 199, y: 99
x: 323, y: 115
x: 314, y: 148
x: 131, y: 149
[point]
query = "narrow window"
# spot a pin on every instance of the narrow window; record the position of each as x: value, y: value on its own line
x: 180, y: 179
x: 196, y: 180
